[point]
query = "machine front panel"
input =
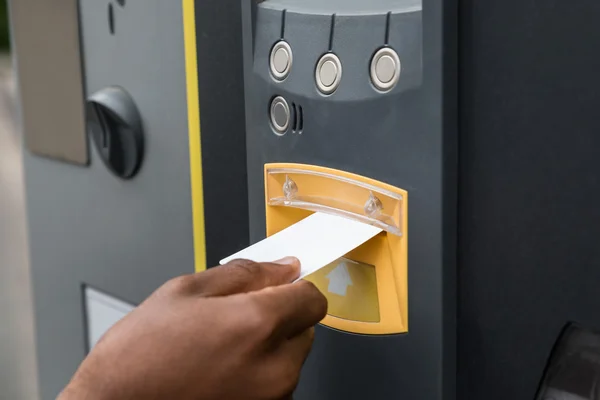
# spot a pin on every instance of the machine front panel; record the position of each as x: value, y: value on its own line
x: 311, y: 99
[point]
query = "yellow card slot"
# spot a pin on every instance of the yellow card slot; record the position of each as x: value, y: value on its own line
x: 367, y: 289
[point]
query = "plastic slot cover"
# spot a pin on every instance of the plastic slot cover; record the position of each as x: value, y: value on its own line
x: 333, y: 194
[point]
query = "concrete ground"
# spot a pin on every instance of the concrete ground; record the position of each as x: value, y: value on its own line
x: 17, y: 353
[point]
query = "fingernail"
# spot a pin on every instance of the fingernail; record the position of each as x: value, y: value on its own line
x: 288, y: 261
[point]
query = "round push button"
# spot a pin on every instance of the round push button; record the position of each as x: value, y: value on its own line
x: 385, y: 69
x: 280, y: 61
x: 328, y: 73
x: 280, y: 115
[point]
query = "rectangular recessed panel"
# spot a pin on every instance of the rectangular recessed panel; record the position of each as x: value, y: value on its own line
x: 49, y: 67
x: 102, y: 312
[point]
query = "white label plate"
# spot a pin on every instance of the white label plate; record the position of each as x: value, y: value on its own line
x: 102, y: 312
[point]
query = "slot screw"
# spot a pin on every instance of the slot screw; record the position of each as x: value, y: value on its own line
x: 289, y: 188
x: 373, y: 206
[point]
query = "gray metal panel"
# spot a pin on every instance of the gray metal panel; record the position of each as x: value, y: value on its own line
x: 529, y: 189
x: 85, y: 225
x: 406, y: 138
x: 221, y: 86
x: 46, y: 36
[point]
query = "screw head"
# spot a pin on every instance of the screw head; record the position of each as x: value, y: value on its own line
x: 373, y: 206
x: 290, y: 189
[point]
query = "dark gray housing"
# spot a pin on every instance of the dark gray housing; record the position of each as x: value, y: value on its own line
x: 493, y: 131
x: 492, y: 128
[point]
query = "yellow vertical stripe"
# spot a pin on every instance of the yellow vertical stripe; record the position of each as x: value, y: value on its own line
x: 193, y: 102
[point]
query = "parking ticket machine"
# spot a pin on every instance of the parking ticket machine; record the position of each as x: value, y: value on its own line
x: 164, y: 136
x: 344, y: 105
x: 459, y: 130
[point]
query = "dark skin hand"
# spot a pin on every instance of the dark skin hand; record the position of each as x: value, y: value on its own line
x: 241, y: 331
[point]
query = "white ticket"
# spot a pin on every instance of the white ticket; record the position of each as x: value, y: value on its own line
x: 316, y: 241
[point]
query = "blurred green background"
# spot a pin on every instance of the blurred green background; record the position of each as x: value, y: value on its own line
x: 4, y: 42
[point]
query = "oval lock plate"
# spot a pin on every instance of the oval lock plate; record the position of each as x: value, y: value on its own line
x: 114, y: 124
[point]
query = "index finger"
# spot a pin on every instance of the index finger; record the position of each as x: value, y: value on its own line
x: 242, y: 276
x: 293, y: 308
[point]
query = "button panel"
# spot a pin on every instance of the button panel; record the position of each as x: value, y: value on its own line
x: 280, y: 61
x: 385, y: 69
x: 328, y: 73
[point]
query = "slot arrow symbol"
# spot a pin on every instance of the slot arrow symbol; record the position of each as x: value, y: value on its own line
x: 339, y: 280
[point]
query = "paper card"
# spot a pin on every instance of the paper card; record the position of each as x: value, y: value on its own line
x: 316, y: 241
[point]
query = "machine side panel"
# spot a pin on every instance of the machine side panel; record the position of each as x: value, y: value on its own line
x: 88, y: 227
x: 220, y: 82
x: 529, y: 259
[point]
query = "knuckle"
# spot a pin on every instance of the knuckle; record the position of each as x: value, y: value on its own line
x: 244, y: 323
x: 246, y: 266
x: 245, y: 270
x: 251, y: 317
x: 179, y: 285
x: 261, y: 322
x: 308, y: 286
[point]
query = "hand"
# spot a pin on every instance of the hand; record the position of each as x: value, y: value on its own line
x: 241, y: 331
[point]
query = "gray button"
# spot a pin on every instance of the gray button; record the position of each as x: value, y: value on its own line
x: 385, y: 69
x: 280, y: 60
x: 328, y: 73
x: 280, y: 115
